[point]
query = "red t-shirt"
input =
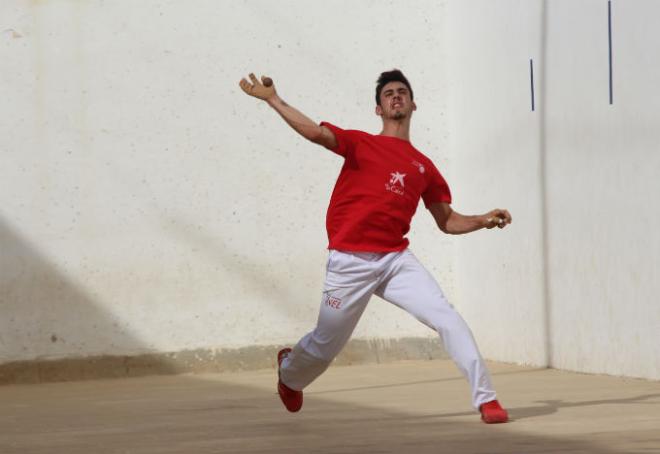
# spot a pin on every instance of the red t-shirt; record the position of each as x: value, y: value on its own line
x: 378, y: 190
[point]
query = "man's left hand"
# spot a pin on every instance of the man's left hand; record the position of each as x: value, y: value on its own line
x: 497, y: 218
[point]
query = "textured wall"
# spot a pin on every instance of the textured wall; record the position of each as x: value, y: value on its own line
x: 147, y: 204
x: 495, y: 141
x: 573, y: 283
x: 602, y: 173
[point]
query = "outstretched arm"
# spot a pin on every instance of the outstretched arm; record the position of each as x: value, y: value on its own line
x: 452, y: 222
x: 265, y: 90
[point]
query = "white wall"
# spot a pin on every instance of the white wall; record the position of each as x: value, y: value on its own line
x: 573, y: 283
x: 147, y: 204
x: 602, y: 174
x: 495, y: 142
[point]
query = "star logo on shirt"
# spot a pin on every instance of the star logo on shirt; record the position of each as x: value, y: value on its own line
x: 397, y: 178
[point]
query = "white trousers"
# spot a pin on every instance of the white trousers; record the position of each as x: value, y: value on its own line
x: 399, y: 278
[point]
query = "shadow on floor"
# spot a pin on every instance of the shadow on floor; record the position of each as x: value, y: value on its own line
x: 183, y: 414
x: 549, y: 407
x: 418, y: 382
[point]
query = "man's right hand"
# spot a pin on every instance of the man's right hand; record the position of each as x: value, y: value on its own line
x: 294, y: 118
x: 256, y: 88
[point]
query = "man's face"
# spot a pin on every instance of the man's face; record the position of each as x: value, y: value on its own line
x: 395, y: 102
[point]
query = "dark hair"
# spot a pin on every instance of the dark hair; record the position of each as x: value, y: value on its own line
x: 391, y: 76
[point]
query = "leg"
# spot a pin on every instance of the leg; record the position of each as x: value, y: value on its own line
x: 409, y: 286
x: 348, y: 286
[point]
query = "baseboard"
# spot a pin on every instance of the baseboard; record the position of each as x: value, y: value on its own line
x: 358, y: 351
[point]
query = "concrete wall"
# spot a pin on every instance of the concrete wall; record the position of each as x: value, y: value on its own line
x: 573, y: 284
x: 148, y: 205
x: 495, y: 142
x: 602, y: 184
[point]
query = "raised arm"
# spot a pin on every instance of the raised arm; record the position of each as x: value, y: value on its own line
x: 265, y: 90
x: 452, y: 222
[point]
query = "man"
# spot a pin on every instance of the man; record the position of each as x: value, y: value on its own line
x: 374, y: 199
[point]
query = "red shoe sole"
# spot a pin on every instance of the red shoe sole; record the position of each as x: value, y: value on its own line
x: 495, y: 419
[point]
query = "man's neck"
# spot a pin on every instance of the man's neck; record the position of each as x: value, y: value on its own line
x: 398, y: 129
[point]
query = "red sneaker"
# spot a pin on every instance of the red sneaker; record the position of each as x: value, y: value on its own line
x: 493, y: 413
x: 291, y: 399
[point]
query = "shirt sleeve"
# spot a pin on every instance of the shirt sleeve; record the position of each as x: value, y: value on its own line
x: 345, y: 140
x: 437, y: 189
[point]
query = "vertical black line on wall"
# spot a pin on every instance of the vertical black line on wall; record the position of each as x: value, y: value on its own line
x: 531, y: 79
x: 609, y: 35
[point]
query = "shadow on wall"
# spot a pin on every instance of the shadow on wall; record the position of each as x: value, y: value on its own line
x: 45, y: 316
x: 257, y: 277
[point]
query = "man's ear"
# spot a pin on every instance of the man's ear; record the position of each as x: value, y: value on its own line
x: 379, y: 110
x: 414, y: 105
